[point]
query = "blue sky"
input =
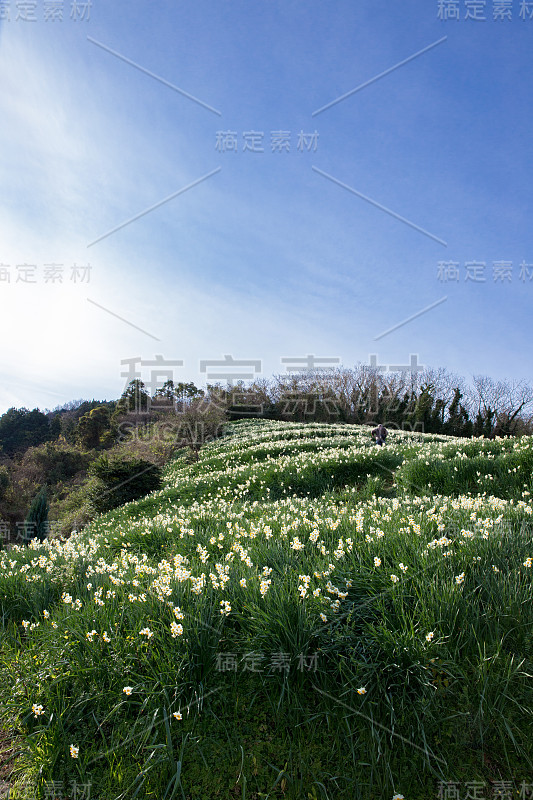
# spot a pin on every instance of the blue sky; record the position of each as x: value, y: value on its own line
x: 267, y: 258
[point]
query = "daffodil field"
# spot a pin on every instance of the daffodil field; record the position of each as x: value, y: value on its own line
x: 299, y: 614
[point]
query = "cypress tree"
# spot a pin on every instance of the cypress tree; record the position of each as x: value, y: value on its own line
x: 38, y: 516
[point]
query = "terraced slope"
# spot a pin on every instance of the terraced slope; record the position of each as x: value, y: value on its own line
x: 300, y: 614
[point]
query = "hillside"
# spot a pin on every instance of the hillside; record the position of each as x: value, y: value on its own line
x: 299, y: 614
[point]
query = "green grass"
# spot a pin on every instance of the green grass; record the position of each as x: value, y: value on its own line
x: 403, y: 572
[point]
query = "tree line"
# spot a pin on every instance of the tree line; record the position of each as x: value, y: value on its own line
x: 434, y: 401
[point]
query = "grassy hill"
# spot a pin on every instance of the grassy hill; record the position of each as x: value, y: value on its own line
x: 299, y: 614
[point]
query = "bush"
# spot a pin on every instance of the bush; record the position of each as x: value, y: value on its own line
x: 121, y: 481
x: 71, y: 510
x: 55, y: 462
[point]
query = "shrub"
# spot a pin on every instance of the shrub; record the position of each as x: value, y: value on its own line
x: 121, y: 481
x: 54, y: 462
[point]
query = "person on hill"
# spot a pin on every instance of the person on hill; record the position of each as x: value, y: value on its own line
x: 380, y: 434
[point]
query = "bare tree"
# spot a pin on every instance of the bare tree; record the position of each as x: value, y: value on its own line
x: 506, y: 406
